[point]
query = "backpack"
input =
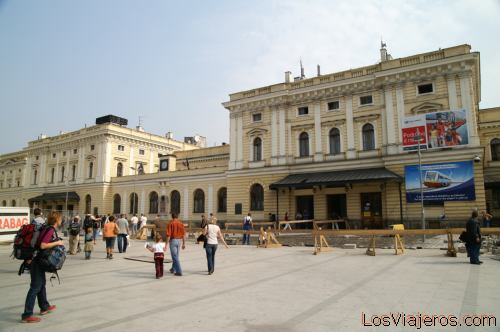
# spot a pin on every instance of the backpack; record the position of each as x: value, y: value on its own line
x: 51, y: 260
x: 87, y: 223
x: 25, y: 241
x: 463, y: 236
x: 74, y: 228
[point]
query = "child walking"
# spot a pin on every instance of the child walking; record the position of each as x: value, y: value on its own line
x: 158, y: 249
x: 89, y: 243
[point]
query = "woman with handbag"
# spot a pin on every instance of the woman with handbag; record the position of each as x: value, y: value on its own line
x: 212, y: 233
x: 48, y: 239
x: 110, y: 233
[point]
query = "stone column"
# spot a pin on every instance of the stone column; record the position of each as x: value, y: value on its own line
x: 274, y: 136
x: 349, y: 121
x: 131, y: 161
x: 467, y: 103
x: 282, y: 136
x: 124, y: 201
x: 57, y: 175
x: 318, y: 155
x: 27, y: 172
x: 185, y: 199
x: 232, y: 141
x: 106, y: 172
x: 239, y: 138
x: 210, y: 198
x: 389, y: 115
x: 43, y: 170
x: 142, y: 203
x: 400, y: 107
x: 151, y: 161
x: 452, y: 92
x: 67, y: 173
x: 81, y: 165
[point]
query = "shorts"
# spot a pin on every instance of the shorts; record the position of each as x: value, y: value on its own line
x: 110, y: 242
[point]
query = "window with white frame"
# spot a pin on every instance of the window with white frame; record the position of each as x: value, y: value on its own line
x: 304, y: 110
x: 257, y: 149
x: 334, y: 140
x: 366, y: 100
x: 141, y: 152
x: 304, y: 144
x: 425, y: 88
x: 333, y: 105
x: 368, y: 134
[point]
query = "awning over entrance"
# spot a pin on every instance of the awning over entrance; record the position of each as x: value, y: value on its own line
x: 72, y: 196
x: 337, y: 178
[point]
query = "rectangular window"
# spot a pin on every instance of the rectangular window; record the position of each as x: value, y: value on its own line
x: 366, y: 100
x: 53, y: 155
x: 92, y: 147
x: 141, y: 152
x: 303, y: 110
x: 121, y: 148
x: 37, y: 157
x: 425, y: 88
x: 256, y: 117
x: 64, y: 153
x: 333, y: 105
x: 75, y: 151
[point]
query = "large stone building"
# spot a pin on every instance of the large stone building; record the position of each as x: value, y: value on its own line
x: 335, y: 145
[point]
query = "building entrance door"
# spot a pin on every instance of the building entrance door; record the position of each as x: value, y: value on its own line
x: 305, y: 208
x: 337, y: 207
x: 371, y: 210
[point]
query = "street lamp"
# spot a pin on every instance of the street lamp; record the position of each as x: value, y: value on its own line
x: 422, y: 213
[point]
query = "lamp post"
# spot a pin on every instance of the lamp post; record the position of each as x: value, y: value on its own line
x: 422, y: 212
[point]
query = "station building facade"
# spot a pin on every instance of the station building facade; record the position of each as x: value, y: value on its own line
x: 330, y: 146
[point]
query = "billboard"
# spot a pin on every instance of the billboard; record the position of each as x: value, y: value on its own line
x: 452, y: 181
x: 437, y: 129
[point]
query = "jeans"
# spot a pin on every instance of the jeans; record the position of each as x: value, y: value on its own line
x: 211, y: 249
x: 134, y: 229
x: 175, y: 246
x: 474, y: 252
x: 87, y: 254
x: 95, y: 231
x: 122, y: 242
x: 37, y: 290
x: 246, y: 237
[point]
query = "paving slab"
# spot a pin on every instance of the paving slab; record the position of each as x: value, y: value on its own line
x: 254, y: 289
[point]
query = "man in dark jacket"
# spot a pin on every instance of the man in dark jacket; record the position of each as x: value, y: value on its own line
x: 473, y: 238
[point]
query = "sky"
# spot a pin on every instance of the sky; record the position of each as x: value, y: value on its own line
x: 172, y: 63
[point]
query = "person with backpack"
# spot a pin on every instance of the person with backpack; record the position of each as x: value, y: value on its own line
x: 48, y: 240
x: 247, y: 225
x: 74, y: 235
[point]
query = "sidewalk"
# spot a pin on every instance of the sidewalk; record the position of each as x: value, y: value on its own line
x: 253, y: 289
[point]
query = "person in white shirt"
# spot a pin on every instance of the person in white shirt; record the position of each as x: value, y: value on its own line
x: 212, y: 232
x: 143, y: 220
x: 134, y: 221
x: 158, y: 249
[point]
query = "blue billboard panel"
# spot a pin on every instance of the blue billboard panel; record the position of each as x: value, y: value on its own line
x: 453, y: 181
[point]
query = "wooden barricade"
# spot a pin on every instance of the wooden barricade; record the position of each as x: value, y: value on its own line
x: 271, y: 240
x: 398, y: 243
x: 320, y: 243
x: 268, y: 238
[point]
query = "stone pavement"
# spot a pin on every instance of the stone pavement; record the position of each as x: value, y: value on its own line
x: 264, y: 290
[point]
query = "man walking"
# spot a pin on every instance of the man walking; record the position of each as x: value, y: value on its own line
x: 473, y: 238
x: 134, y: 221
x: 122, y: 234
x: 175, y: 236
x: 74, y: 235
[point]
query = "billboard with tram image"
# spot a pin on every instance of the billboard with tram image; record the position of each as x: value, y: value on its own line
x: 452, y: 181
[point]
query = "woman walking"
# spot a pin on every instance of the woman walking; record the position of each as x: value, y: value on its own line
x: 109, y: 235
x: 212, y: 232
x: 48, y: 239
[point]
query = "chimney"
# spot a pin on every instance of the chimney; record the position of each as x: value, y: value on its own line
x: 319, y: 70
x: 287, y: 76
x: 383, y: 52
x: 170, y: 135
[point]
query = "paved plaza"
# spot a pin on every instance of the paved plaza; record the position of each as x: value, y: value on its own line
x: 252, y: 289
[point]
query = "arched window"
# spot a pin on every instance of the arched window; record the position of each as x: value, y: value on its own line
x: 495, y: 149
x: 199, y: 201
x: 4, y: 203
x: 91, y: 169
x: 73, y: 172
x: 368, y: 137
x: 222, y: 200
x: 119, y: 169
x: 175, y: 202
x: 163, y: 204
x: 334, y: 139
x: 62, y: 173
x: 52, y: 174
x: 257, y: 198
x: 117, y: 202
x: 35, y: 174
x: 153, y: 202
x: 257, y: 149
x: 134, y: 202
x: 304, y: 144
x: 88, y: 204
x: 13, y: 202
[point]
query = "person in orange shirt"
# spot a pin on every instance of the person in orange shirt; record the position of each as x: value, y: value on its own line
x: 175, y: 237
x: 109, y: 235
